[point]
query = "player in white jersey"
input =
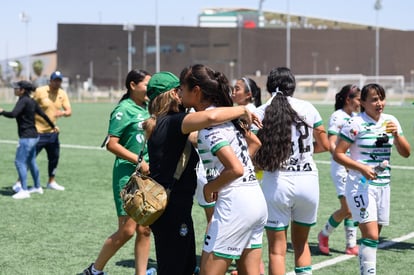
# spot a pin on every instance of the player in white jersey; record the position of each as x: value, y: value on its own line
x: 369, y: 138
x: 346, y: 105
x: 236, y: 228
x: 292, y: 132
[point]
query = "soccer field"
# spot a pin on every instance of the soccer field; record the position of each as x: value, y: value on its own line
x: 62, y: 232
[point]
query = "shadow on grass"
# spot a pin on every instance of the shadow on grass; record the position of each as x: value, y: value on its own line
x: 131, y: 263
x: 7, y: 191
x: 151, y: 262
x: 314, y: 248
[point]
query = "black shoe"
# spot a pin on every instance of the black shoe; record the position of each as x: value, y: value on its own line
x: 88, y: 271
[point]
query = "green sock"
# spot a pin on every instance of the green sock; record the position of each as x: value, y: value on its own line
x: 303, y: 270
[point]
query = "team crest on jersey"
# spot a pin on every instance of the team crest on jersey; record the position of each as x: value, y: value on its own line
x: 118, y: 116
x: 183, y: 230
x: 364, y: 213
x: 353, y: 132
x: 140, y: 124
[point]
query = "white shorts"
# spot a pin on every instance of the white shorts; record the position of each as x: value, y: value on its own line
x: 291, y: 196
x: 368, y: 202
x: 338, y: 175
x: 201, y: 181
x: 238, y: 221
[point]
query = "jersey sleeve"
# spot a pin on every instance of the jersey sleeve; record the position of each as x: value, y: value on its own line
x: 349, y: 130
x: 316, y: 116
x: 118, y: 121
x: 18, y: 109
x: 214, y: 138
x: 399, y: 128
x: 335, y: 124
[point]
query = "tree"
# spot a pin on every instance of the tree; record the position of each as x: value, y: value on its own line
x: 1, y: 73
x: 18, y: 69
x: 38, y: 67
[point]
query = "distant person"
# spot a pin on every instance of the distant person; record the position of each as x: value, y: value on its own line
x: 55, y: 103
x: 347, y: 102
x: 292, y: 133
x: 24, y: 111
x: 246, y: 92
x: 369, y: 138
x: 126, y: 139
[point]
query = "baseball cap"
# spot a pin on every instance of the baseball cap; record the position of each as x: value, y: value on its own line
x: 23, y: 84
x: 56, y: 75
x: 160, y: 83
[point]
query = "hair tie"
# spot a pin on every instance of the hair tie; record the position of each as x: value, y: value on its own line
x: 246, y: 83
x: 277, y: 91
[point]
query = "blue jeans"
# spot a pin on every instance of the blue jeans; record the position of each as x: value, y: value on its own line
x: 26, y: 159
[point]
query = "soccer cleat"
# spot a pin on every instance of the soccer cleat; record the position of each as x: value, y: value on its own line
x: 38, y: 190
x: 352, y: 250
x: 323, y: 243
x: 22, y: 194
x: 53, y: 185
x: 88, y: 271
x: 234, y: 272
x: 17, y: 186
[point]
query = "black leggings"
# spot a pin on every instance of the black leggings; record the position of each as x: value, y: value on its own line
x: 174, y: 240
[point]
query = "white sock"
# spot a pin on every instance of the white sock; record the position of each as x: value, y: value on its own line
x: 368, y: 257
x: 351, y: 236
x: 330, y: 226
x: 95, y: 271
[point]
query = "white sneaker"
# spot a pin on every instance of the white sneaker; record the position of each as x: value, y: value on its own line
x: 53, y: 185
x: 38, y: 190
x: 22, y: 194
x: 17, y: 186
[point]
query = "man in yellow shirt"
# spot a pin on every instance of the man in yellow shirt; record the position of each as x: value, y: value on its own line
x: 55, y: 103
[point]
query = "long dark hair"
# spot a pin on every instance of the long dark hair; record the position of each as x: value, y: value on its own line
x: 276, y: 133
x: 135, y: 76
x: 214, y: 86
x: 347, y: 91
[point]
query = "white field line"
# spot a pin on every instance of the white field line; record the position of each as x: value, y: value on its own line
x: 347, y: 257
x: 392, y: 166
x: 71, y: 146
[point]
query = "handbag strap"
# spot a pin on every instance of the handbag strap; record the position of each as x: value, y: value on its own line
x: 182, y: 162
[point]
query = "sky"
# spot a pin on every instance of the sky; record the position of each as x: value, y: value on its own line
x: 39, y: 33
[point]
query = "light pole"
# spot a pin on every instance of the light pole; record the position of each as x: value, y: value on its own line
x: 239, y: 43
x: 315, y: 62
x: 129, y: 28
x: 157, y: 39
x: 288, y: 34
x: 260, y: 21
x: 119, y: 63
x: 377, y: 7
x: 231, y: 65
x: 25, y: 18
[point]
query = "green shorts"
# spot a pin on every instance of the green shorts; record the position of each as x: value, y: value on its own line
x: 120, y: 176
